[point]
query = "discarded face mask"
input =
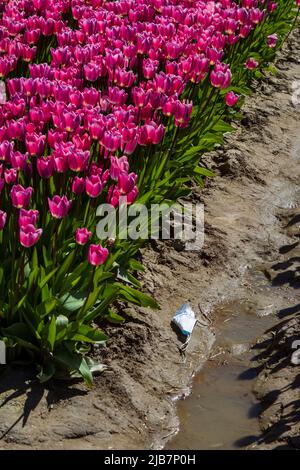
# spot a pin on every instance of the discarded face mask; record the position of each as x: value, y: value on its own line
x: 185, y: 319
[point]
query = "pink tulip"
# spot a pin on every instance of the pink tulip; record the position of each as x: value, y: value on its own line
x: 96, y: 129
x: 10, y: 175
x: 45, y: 167
x: 6, y: 149
x: 67, y: 121
x: 251, y: 64
x: 117, y: 165
x: 35, y: 144
x: 150, y: 67
x: 82, y: 236
x: 59, y: 206
x: 78, y: 160
x: 139, y: 96
x: 150, y: 133
x: 92, y: 71
x: 256, y: 15
x: 132, y: 195
x: 126, y: 182
x: 97, y: 255
x: 272, y: 40
x: 55, y: 137
x: 29, y: 235
x: 3, y: 217
x: 60, y: 156
x: 113, y: 196
x: 111, y: 141
x: 18, y: 160
x: 28, y: 217
x: 231, y: 98
x: 90, y: 97
x: 221, y: 76
x: 93, y: 185
x: 20, y: 196
x: 182, y: 113
x: 82, y: 142
x: 78, y: 185
x: 117, y: 96
x: 245, y: 31
x: 4, y: 68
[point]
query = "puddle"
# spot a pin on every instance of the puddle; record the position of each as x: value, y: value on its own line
x: 222, y: 412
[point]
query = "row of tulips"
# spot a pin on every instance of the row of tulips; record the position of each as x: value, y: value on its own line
x: 106, y: 101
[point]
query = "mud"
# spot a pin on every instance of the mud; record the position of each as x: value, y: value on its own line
x: 132, y: 405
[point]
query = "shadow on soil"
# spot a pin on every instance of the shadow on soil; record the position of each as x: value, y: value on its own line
x: 16, y: 383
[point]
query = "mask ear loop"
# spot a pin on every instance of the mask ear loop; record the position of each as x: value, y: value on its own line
x: 183, y: 347
x: 205, y: 316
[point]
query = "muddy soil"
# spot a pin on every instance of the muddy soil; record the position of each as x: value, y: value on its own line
x: 132, y: 405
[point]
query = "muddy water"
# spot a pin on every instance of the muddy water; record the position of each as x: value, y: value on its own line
x: 222, y: 411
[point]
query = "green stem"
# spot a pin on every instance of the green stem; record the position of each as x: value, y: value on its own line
x: 14, y: 250
x: 90, y: 288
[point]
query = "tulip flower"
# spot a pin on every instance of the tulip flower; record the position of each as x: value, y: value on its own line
x: 97, y: 255
x: 68, y: 121
x: 3, y: 217
x: 28, y: 217
x: 126, y: 182
x: 10, y: 175
x: 18, y: 160
x: 182, y: 113
x: 45, y: 167
x: 20, y: 196
x: 78, y: 160
x: 35, y: 144
x: 150, y: 133
x: 111, y: 141
x: 221, y: 76
x: 93, y: 185
x: 29, y: 235
x: 272, y: 40
x: 251, y: 64
x: 92, y: 72
x: 90, y: 97
x: 59, y: 206
x: 117, y: 165
x: 6, y: 149
x: 82, y: 236
x: 78, y: 185
x: 231, y: 98
x: 96, y: 129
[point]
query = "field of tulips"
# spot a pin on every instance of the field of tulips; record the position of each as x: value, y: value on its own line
x: 102, y: 100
